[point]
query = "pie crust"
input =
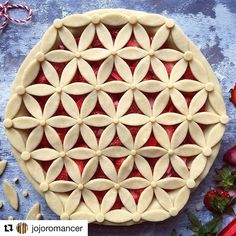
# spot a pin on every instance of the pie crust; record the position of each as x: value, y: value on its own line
x: 197, y: 124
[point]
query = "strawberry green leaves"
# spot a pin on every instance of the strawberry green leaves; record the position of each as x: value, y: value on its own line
x: 209, y: 228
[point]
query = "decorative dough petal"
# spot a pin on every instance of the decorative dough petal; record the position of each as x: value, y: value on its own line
x: 13, y: 106
x: 50, y: 73
x: 104, y: 36
x: 171, y: 183
x: 35, y: 170
x: 123, y: 70
x: 53, y: 138
x: 134, y: 119
x: 72, y: 170
x: 155, y: 215
x: 141, y: 36
x: 180, y: 167
x: 163, y: 198
x: 132, y: 53
x: 95, y: 54
x: 145, y: 199
x: 159, y: 70
x: 118, y: 216
x: 151, y: 86
x: 76, y: 20
x: 108, y: 200
x: 215, y: 135
x: 11, y: 194
x: 91, y: 200
x: 89, y: 169
x: 86, y: 37
x: 70, y: 106
x: 44, y: 154
x: 68, y: 73
x: 62, y: 186
x: 143, y: 167
x: 71, y: 138
x: 108, y: 168
x: 30, y: 73
x: 178, y: 70
x: 127, y: 200
x: 115, y: 87
x: 33, y: 106
x: 187, y: 85
x: 123, y: 36
x: 60, y: 56
x: 135, y: 183
x: 106, y: 103
x: 168, y: 55
x: 48, y: 40
x: 197, y: 166
x: 160, y: 167
x: 170, y: 118
x: 188, y: 150
x: 25, y: 122
x: 40, y: 89
x: 142, y: 136
x: 81, y: 153
x: 124, y: 103
x: 54, y: 202
x: 73, y: 201
x: 51, y: 106
x: 54, y: 170
x: 16, y: 139
x: 99, y: 184
x: 61, y: 121
x: 181, y: 198
x: 143, y: 103
x: 105, y: 70
x: 180, y: 39
x: 160, y: 37
x: 198, y: 71
x: 107, y: 136
x: 125, y: 168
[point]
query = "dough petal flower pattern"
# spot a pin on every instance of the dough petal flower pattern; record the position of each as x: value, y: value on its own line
x: 115, y: 116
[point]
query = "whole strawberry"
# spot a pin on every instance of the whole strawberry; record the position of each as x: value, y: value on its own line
x: 230, y: 155
x: 233, y: 95
x: 218, y: 201
x: 226, y: 179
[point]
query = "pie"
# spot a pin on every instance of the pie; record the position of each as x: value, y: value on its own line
x: 115, y: 117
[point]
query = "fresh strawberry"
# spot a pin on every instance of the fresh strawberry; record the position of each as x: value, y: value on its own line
x: 188, y: 74
x: 230, y: 156
x: 230, y: 229
x: 136, y: 194
x: 226, y: 178
x: 41, y: 78
x: 151, y: 141
x: 63, y: 175
x: 218, y: 201
x: 233, y: 95
x: 132, y: 42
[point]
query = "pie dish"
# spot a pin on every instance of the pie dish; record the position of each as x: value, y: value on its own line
x: 115, y: 117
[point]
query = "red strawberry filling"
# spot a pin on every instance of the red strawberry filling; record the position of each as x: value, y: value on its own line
x: 98, y: 110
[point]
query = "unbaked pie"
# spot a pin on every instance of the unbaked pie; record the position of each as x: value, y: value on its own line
x: 115, y: 116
